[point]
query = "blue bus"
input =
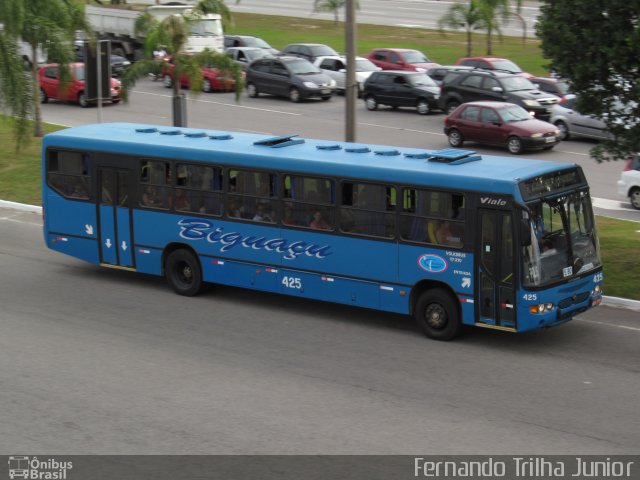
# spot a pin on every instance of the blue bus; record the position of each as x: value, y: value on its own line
x: 448, y: 236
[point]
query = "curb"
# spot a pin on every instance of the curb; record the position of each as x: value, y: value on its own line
x: 615, y: 302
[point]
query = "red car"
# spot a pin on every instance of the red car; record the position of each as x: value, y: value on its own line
x: 214, y: 80
x: 493, y: 63
x: 400, y: 59
x: 74, y: 91
x: 499, y: 123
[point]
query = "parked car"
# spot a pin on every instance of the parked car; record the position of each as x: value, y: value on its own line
x: 247, y: 41
x: 572, y: 123
x: 400, y: 59
x: 476, y: 85
x: 336, y: 68
x: 245, y: 55
x: 213, y: 79
x: 401, y: 89
x: 629, y: 183
x: 75, y: 91
x: 308, y: 51
x: 493, y: 63
x: 439, y: 73
x: 499, y: 123
x: 554, y: 85
x: 292, y: 77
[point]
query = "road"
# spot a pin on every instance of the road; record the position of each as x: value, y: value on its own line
x: 401, y: 13
x: 104, y: 361
x: 151, y: 103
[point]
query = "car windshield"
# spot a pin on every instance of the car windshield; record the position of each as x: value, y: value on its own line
x: 78, y: 72
x: 302, y: 67
x: 323, y: 51
x: 514, y: 113
x: 561, y: 242
x: 514, y: 84
x: 364, y: 65
x: 421, y: 80
x: 506, y: 65
x: 256, y: 54
x: 256, y: 42
x: 205, y: 27
x: 415, y: 56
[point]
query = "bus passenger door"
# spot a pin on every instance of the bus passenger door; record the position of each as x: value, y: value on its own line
x: 114, y: 214
x: 496, y: 269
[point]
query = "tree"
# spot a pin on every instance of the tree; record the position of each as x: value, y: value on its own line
x: 216, y: 6
x: 331, y: 6
x: 596, y: 46
x: 467, y: 16
x: 45, y: 25
x: 495, y: 13
x: 172, y: 34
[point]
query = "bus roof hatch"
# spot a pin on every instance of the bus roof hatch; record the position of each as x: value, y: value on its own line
x: 453, y: 156
x: 281, y: 141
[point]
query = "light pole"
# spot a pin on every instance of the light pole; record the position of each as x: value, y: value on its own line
x: 351, y: 90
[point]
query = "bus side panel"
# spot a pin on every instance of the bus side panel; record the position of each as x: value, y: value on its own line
x: 82, y: 248
x: 238, y: 274
x: 149, y: 260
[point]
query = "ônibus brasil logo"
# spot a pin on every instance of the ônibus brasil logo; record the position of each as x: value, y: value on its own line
x: 33, y: 468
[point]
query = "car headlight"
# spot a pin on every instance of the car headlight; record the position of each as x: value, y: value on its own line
x: 418, y: 69
x: 531, y: 103
x: 556, y: 132
x: 126, y: 63
x: 310, y: 84
x: 332, y: 83
x: 536, y: 135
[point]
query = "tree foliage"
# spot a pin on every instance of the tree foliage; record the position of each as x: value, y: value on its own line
x: 595, y: 44
x: 464, y: 15
x: 331, y: 6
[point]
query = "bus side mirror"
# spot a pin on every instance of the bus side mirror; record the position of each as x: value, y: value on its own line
x: 525, y: 233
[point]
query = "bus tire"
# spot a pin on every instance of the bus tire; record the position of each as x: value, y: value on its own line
x: 437, y: 315
x: 183, y: 273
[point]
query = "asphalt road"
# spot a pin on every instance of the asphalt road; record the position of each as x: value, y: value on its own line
x: 103, y: 361
x: 151, y: 103
x: 401, y: 13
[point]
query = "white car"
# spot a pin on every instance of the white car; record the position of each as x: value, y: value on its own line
x: 629, y: 183
x: 336, y: 68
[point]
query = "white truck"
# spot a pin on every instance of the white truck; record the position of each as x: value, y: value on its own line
x: 118, y: 25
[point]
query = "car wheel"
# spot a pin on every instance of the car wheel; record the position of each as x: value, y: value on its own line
x: 514, y: 144
x: 325, y: 98
x: 634, y: 198
x: 183, y: 273
x: 43, y: 96
x: 455, y: 138
x: 115, y: 102
x: 294, y: 95
x: 437, y: 315
x: 252, y: 90
x: 206, y: 85
x: 564, y: 130
x: 423, y: 107
x: 167, y: 81
x: 82, y: 100
x: 371, y: 103
x: 451, y: 106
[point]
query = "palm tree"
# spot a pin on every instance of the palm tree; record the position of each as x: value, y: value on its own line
x: 467, y: 16
x: 172, y: 33
x: 216, y: 6
x: 48, y: 26
x: 331, y: 6
x: 495, y: 13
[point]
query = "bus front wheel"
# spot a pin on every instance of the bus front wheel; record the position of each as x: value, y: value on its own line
x: 183, y: 272
x: 437, y: 315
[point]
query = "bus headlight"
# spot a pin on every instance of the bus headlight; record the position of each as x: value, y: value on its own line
x: 541, y: 308
x: 596, y: 290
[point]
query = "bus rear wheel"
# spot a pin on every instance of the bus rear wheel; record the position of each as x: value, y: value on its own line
x: 183, y: 272
x: 437, y: 315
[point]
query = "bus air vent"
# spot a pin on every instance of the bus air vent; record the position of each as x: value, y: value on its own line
x: 195, y: 134
x: 170, y: 132
x: 224, y: 136
x: 279, y: 142
x: 146, y: 130
x: 453, y: 156
x: 419, y: 155
x: 357, y: 150
x: 333, y: 146
x: 387, y: 153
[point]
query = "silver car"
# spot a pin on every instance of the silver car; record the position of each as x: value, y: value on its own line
x: 243, y: 56
x: 572, y: 123
x: 336, y: 67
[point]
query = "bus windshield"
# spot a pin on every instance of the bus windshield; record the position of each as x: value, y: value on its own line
x: 562, y: 242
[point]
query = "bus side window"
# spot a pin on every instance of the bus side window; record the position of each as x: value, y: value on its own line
x: 155, y: 178
x: 68, y: 173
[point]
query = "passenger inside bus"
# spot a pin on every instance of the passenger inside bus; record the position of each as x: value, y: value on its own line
x: 318, y: 222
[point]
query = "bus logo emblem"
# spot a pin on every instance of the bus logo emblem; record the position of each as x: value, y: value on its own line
x: 432, y: 263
